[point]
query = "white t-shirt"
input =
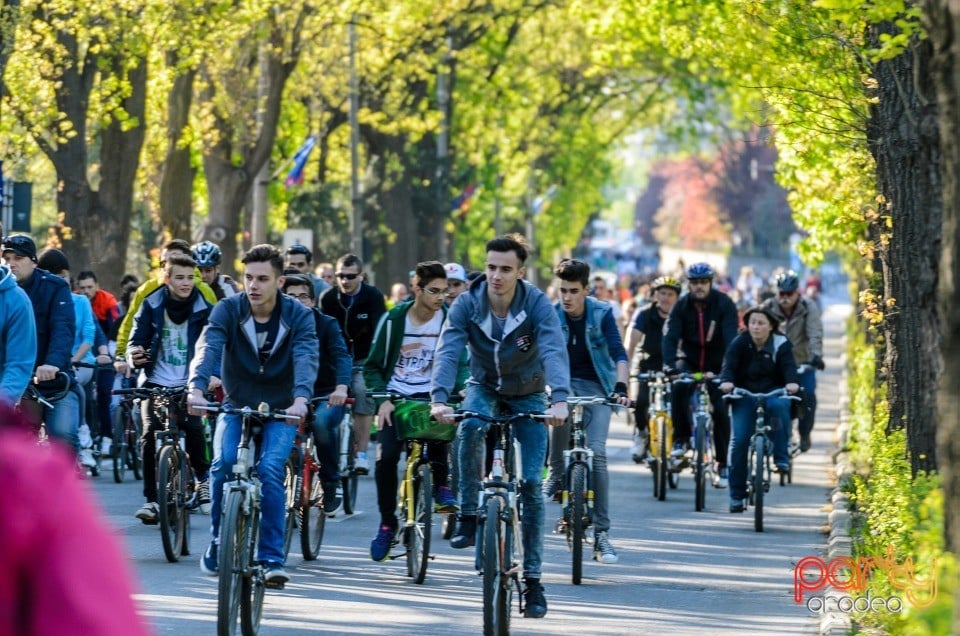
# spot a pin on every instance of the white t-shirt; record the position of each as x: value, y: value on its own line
x: 411, y: 374
x: 171, y: 367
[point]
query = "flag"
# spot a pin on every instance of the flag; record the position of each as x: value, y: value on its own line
x: 295, y: 176
x: 542, y: 202
x: 463, y: 201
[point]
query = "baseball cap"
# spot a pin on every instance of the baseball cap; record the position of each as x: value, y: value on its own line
x: 22, y: 245
x: 455, y: 271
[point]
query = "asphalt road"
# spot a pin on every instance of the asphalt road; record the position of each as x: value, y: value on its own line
x: 680, y: 571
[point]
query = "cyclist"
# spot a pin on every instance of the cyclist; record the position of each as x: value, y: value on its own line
x: 800, y: 317
x: 265, y: 343
x: 324, y: 271
x: 400, y: 361
x: 176, y: 246
x: 516, y: 349
x: 299, y: 257
x: 333, y: 380
x: 646, y: 338
x: 758, y: 360
x: 698, y: 331
x: 165, y: 332
x: 357, y: 308
x: 598, y: 366
x: 18, y: 337
x: 208, y: 256
x: 56, y: 328
x: 107, y: 312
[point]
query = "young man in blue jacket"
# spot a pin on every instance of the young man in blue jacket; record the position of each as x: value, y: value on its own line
x: 18, y: 338
x: 516, y: 350
x: 264, y: 344
x: 165, y: 332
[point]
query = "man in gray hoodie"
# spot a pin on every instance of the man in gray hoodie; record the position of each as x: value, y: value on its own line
x: 516, y: 349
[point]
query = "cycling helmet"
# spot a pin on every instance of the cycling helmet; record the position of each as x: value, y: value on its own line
x: 788, y: 281
x: 206, y: 254
x: 666, y: 281
x: 699, y: 271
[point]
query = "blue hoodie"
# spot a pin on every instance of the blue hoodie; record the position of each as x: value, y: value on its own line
x: 18, y: 338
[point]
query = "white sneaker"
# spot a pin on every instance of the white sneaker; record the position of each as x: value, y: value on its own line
x: 603, y: 550
x: 106, y: 444
x: 87, y: 458
x: 361, y: 465
x: 637, y: 448
x: 203, y: 496
x: 721, y: 480
x: 83, y: 434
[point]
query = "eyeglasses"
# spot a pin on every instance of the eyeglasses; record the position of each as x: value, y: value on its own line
x: 298, y: 249
x: 301, y: 297
x: 346, y: 276
x: 433, y: 291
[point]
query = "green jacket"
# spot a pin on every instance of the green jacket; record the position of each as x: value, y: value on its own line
x: 382, y: 360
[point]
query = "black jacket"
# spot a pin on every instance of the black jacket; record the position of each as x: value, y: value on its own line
x: 336, y: 366
x: 760, y: 370
x: 650, y: 323
x: 702, y: 335
x: 56, y: 320
x: 358, y: 319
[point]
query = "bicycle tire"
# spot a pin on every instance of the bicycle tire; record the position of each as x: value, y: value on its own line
x: 448, y: 523
x: 170, y: 497
x: 133, y: 445
x: 578, y: 511
x: 758, y: 487
x: 234, y: 559
x: 699, y: 466
x: 119, y: 448
x: 496, y: 609
x: 292, y: 492
x: 418, y: 543
x: 662, y: 460
x: 253, y: 586
x: 349, y: 479
x: 312, y: 518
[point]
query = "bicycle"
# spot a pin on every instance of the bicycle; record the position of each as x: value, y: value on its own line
x: 704, y: 462
x: 127, y: 429
x: 793, y: 448
x: 242, y: 584
x: 176, y: 483
x: 500, y: 549
x: 94, y: 447
x: 660, y: 431
x: 349, y: 478
x: 576, y: 496
x: 44, y: 394
x: 760, y: 450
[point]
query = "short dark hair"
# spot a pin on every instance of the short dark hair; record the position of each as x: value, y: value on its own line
x: 178, y: 244
x: 265, y: 253
x: 299, y: 280
x: 573, y: 271
x: 85, y: 274
x: 53, y: 260
x: 428, y: 271
x: 178, y: 260
x: 300, y: 249
x: 129, y: 279
x: 510, y: 243
x: 349, y: 260
x: 290, y: 271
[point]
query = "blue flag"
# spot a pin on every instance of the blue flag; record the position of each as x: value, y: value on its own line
x: 295, y: 176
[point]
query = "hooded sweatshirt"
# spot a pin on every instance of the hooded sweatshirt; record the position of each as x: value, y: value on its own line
x: 18, y: 337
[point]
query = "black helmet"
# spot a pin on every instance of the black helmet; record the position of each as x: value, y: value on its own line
x: 788, y: 281
x: 699, y: 271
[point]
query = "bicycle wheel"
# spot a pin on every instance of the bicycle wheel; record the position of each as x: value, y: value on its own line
x: 234, y: 559
x: 292, y: 490
x: 312, y: 519
x: 663, y: 457
x: 133, y: 431
x: 119, y: 448
x: 418, y: 539
x: 757, y: 477
x: 253, y: 585
x: 699, y: 466
x: 578, y: 512
x: 172, y: 515
x: 349, y: 478
x: 496, y: 610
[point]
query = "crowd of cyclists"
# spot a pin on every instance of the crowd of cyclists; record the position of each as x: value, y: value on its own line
x: 488, y: 340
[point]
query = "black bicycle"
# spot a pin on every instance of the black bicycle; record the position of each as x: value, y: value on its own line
x: 127, y: 427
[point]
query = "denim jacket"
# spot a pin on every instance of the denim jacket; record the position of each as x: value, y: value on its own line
x: 600, y: 348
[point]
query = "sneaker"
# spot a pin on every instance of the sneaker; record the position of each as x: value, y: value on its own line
x: 148, y: 513
x: 444, y: 501
x: 208, y: 562
x: 203, y: 496
x: 782, y: 467
x: 332, y: 502
x: 106, y: 446
x: 737, y: 505
x: 638, y: 450
x: 380, y: 546
x: 274, y: 575
x: 552, y: 489
x: 87, y: 459
x: 805, y: 443
x: 603, y: 550
x: 465, y: 534
x: 533, y: 599
x: 83, y: 436
x: 722, y: 480
x: 679, y: 450
x: 360, y: 464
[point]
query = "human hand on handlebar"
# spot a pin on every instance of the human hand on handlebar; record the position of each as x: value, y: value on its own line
x: 441, y: 413
x: 620, y: 394
x: 298, y: 408
x: 557, y: 414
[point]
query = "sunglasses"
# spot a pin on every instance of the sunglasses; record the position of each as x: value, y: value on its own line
x: 786, y: 294
x: 346, y: 276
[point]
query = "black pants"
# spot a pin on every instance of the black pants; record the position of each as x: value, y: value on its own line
x: 681, y: 409
x: 192, y: 429
x: 389, y: 448
x: 104, y: 386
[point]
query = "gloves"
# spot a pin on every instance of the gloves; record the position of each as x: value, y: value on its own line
x: 817, y: 363
x: 619, y: 391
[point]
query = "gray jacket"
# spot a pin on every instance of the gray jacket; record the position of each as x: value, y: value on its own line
x: 804, y: 328
x: 531, y: 354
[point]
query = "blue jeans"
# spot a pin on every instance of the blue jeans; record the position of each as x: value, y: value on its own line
x: 808, y: 382
x: 777, y: 414
x: 274, y: 449
x: 532, y: 436
x: 63, y: 420
x: 326, y: 424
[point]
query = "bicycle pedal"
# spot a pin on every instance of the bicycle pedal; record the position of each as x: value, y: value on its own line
x: 274, y: 585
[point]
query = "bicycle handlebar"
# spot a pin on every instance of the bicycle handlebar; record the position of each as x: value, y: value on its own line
x: 497, y: 419
x: 588, y: 400
x: 149, y: 392
x: 319, y: 400
x: 738, y: 393
x: 691, y: 378
x: 263, y: 411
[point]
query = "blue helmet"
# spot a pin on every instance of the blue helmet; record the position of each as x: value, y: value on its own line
x: 788, y: 281
x: 206, y: 254
x: 699, y: 271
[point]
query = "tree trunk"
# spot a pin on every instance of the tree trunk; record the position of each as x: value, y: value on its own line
x: 942, y: 20
x: 227, y: 187
x: 904, y: 141
x: 177, y: 173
